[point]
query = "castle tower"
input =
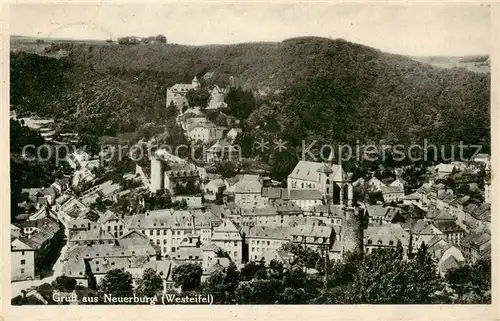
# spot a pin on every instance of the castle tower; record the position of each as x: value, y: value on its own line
x: 156, y: 174
x: 352, y: 228
x: 231, y: 81
x: 195, y: 83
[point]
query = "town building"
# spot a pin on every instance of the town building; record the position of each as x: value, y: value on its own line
x: 318, y: 237
x: 379, y: 214
x: 248, y: 192
x: 217, y: 98
x: 385, y: 236
x: 261, y: 239
x: 204, y: 131
x: 166, y: 228
x: 213, y: 189
x: 392, y: 194
x: 31, y: 251
x: 227, y: 237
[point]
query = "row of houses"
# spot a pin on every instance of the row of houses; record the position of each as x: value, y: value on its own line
x: 33, y: 244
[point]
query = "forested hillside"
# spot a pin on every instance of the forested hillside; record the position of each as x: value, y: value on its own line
x: 332, y: 90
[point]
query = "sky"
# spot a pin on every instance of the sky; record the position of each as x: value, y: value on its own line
x: 414, y: 29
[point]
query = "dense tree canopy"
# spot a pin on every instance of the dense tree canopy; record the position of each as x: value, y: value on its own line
x: 187, y: 276
x: 117, y: 282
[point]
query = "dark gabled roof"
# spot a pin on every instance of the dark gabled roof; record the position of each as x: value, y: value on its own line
x: 448, y: 227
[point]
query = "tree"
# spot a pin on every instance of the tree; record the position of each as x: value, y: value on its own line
x: 172, y: 111
x: 198, y: 98
x: 258, y: 291
x: 161, y: 39
x: 292, y: 296
x: 222, y: 284
x: 240, y: 103
x: 150, y: 283
x: 250, y: 270
x: 187, y: 276
x: 384, y: 278
x: 304, y: 256
x: 46, y: 291
x: 226, y: 169
x: 116, y: 281
x: 472, y: 283
x: 64, y: 283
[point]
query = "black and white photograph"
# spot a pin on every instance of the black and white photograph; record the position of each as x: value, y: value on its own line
x: 250, y: 153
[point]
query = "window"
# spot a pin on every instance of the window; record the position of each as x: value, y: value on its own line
x: 235, y: 243
x: 268, y: 243
x: 173, y: 249
x: 157, y: 242
x: 151, y: 232
x: 22, y: 270
x: 157, y: 232
x: 164, y: 241
x: 116, y: 228
x: 22, y: 253
x: 23, y: 262
x: 164, y: 232
x: 109, y: 228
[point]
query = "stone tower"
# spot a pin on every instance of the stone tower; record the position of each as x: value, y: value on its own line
x: 156, y: 174
x: 352, y: 230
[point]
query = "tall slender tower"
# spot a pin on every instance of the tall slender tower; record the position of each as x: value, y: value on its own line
x: 156, y: 174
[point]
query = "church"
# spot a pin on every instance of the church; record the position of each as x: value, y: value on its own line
x: 330, y: 179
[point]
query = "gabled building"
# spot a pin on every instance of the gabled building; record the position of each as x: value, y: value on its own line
x: 111, y: 223
x: 394, y: 194
x: 306, y: 199
x: 379, y: 214
x: 217, y: 98
x: 261, y: 239
x: 227, y: 237
x: 385, y: 237
x: 317, y: 237
x: 248, y: 192
x: 451, y: 230
x: 205, y: 131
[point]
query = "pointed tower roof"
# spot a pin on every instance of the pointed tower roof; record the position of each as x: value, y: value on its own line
x: 325, y: 169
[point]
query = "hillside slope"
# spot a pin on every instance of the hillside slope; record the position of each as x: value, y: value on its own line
x: 329, y: 89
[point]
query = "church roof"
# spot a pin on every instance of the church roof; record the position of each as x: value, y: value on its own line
x: 306, y: 170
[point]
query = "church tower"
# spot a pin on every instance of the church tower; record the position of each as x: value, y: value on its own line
x: 325, y: 181
x: 195, y: 83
